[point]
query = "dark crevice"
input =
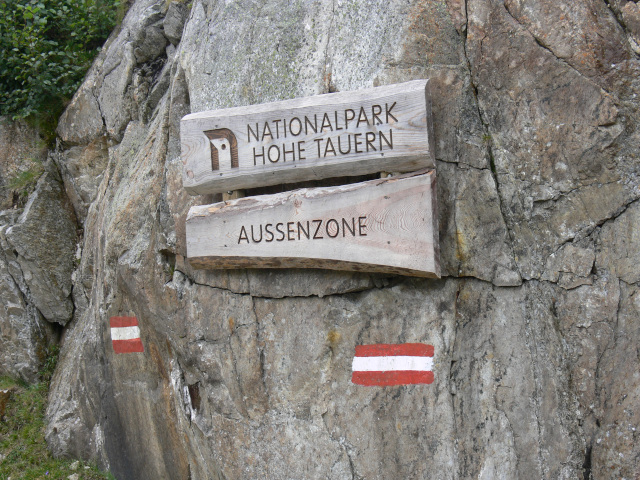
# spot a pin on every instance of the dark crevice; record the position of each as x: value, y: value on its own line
x: 585, y: 232
x: 194, y: 395
x: 145, y: 79
x: 598, y: 381
x: 561, y: 194
x: 452, y: 386
x: 630, y: 284
x: 261, y: 354
x: 617, y: 213
x: 466, y: 24
x: 193, y: 282
x: 377, y: 283
x: 169, y: 259
x: 242, y: 400
x: 345, y: 447
x: 536, y: 357
x: 586, y: 466
x: 492, y: 166
x: 104, y: 122
x: 351, y: 467
x: 489, y: 140
x: 468, y: 165
x: 377, y: 286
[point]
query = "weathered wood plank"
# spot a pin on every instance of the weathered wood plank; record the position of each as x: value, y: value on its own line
x: 334, y: 135
x: 386, y: 225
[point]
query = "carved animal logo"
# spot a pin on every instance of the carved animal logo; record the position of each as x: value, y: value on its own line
x: 224, y: 148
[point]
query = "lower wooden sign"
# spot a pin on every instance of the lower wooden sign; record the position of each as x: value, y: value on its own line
x: 387, y: 225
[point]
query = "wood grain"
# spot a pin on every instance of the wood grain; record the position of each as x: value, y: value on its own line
x: 386, y: 225
x: 340, y: 134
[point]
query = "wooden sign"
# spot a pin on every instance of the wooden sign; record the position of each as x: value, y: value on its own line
x: 339, y: 134
x: 386, y: 225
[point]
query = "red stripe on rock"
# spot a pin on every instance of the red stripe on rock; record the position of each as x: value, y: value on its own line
x: 115, y: 322
x: 128, y: 346
x: 388, y: 350
x: 386, y: 379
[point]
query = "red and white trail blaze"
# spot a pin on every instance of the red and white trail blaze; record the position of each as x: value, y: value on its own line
x: 386, y: 364
x: 125, y: 335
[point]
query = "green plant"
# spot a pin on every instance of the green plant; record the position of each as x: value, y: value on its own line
x: 46, y: 46
x: 21, y: 184
x: 25, y: 181
x: 23, y: 450
x: 50, y: 362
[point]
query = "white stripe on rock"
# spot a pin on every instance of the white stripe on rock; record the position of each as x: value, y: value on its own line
x: 125, y: 333
x: 390, y: 363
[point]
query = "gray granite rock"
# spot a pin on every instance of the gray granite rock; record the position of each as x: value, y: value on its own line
x: 22, y: 151
x: 140, y: 40
x: 24, y: 334
x: 43, y: 240
x: 617, y: 246
x: 82, y: 120
x: 82, y: 169
x: 570, y: 267
x: 247, y: 373
x: 174, y: 20
x: 615, y: 447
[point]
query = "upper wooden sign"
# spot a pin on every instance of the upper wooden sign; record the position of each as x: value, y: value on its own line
x: 339, y: 134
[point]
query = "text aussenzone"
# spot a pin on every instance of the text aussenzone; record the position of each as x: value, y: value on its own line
x: 316, y: 229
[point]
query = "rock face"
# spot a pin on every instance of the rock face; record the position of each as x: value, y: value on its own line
x: 37, y: 249
x: 246, y: 374
x: 21, y: 150
x: 25, y: 335
x: 43, y: 240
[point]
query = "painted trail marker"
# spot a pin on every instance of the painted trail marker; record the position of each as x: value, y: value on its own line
x: 125, y: 335
x: 386, y: 225
x: 334, y: 135
x: 385, y: 365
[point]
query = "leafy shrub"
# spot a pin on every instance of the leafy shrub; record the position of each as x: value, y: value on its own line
x: 46, y: 46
